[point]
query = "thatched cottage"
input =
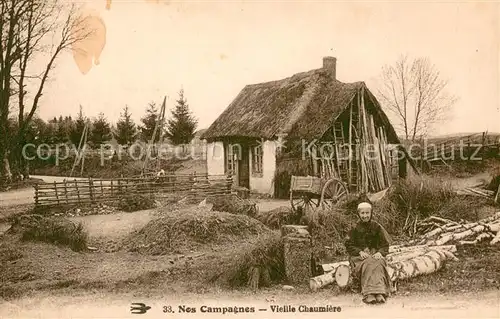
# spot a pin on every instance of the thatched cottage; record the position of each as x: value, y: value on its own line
x: 306, y: 124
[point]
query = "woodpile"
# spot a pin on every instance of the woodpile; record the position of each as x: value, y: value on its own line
x: 440, y: 231
x: 423, y: 255
x: 374, y: 166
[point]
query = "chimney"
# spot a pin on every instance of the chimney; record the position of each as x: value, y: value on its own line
x: 330, y: 64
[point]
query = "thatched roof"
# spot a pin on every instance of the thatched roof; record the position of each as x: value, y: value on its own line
x: 304, y: 105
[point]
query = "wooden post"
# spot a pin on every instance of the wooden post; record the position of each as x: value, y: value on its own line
x: 229, y: 181
x: 497, y: 195
x: 349, y: 177
x: 66, y: 191
x: 362, y: 137
x: 91, y: 190
x: 77, y: 191
x: 112, y: 193
x: 379, y: 163
x: 57, y: 195
x: 102, y: 189
x: 36, y: 194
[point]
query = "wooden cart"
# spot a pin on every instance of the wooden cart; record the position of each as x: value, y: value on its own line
x: 311, y: 191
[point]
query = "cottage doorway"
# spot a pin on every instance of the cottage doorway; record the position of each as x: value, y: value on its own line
x: 238, y: 164
x: 232, y: 162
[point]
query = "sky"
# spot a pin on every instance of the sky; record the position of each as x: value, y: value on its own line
x: 213, y: 49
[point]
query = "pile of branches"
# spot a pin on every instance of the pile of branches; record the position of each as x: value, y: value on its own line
x: 423, y: 255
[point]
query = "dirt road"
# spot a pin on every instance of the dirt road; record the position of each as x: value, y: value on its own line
x: 26, y: 195
x: 485, y: 305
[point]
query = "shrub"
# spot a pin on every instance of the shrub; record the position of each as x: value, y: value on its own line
x: 135, y: 202
x: 417, y: 198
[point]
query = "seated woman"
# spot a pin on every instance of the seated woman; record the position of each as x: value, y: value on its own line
x: 367, y: 246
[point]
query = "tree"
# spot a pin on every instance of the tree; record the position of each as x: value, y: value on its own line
x: 182, y: 126
x: 414, y: 93
x: 101, y: 130
x: 125, y: 128
x: 26, y: 27
x: 77, y: 128
x: 149, y: 122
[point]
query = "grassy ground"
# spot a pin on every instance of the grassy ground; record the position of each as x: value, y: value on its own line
x: 29, y: 267
x: 36, y: 266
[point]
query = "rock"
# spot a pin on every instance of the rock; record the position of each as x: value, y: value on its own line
x: 287, y: 287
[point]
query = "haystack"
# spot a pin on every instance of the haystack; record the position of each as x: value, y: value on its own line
x: 56, y: 230
x: 233, y: 204
x: 265, y: 257
x: 189, y: 229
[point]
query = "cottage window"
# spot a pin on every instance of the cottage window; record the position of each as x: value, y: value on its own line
x: 257, y: 160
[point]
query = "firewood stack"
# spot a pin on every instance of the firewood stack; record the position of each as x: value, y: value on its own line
x: 423, y: 255
x: 440, y: 231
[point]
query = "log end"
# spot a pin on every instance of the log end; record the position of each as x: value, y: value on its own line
x: 342, y: 275
x: 313, y: 285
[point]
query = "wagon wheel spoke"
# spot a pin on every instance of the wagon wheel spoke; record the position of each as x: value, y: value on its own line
x: 297, y: 202
x: 310, y: 204
x: 332, y: 192
x: 314, y: 202
x: 339, y: 191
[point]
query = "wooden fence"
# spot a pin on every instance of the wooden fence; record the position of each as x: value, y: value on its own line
x: 87, y: 191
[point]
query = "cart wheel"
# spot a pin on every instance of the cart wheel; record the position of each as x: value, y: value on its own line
x: 333, y: 191
x: 303, y: 200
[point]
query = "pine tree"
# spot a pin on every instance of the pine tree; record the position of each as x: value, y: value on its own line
x: 182, y: 126
x: 125, y: 128
x: 77, y: 129
x: 149, y: 123
x: 101, y: 130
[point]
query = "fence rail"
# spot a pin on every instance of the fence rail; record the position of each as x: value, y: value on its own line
x: 109, y: 190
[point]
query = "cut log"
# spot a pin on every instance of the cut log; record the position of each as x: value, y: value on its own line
x: 427, y: 263
x: 459, y: 235
x: 450, y: 227
x: 320, y: 281
x: 496, y: 239
x: 494, y: 227
x: 419, y: 251
x: 441, y: 220
x: 333, y: 266
x: 342, y: 275
x: 493, y: 217
x: 397, y: 249
x: 479, y: 238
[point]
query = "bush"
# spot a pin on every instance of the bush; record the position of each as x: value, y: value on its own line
x: 423, y: 194
x: 417, y: 198
x: 132, y: 203
x: 55, y: 230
